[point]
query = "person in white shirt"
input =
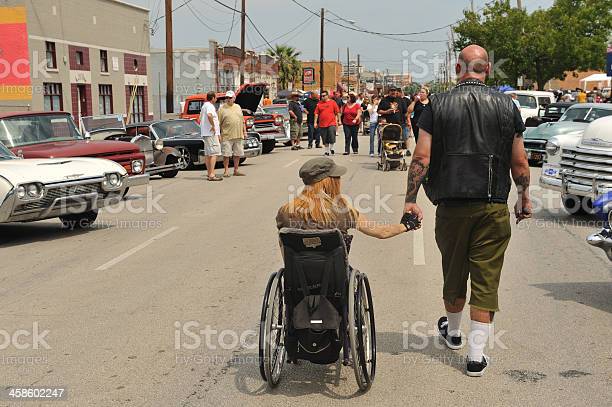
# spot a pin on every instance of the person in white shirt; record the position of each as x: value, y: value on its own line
x: 373, y: 111
x: 209, y: 123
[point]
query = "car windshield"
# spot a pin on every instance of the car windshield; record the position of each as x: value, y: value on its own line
x: 276, y: 110
x: 176, y: 128
x: 23, y: 130
x: 99, y: 123
x: 194, y: 106
x: 585, y: 114
x: 5, y: 153
x: 527, y: 101
x: 555, y: 110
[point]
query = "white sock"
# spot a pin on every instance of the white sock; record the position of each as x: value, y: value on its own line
x: 332, y: 146
x: 327, y: 148
x: 478, y: 339
x: 454, y: 323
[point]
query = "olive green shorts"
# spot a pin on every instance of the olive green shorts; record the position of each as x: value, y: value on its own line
x: 472, y: 238
x: 296, y: 131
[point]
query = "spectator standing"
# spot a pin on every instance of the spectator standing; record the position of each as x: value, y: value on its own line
x: 327, y: 117
x: 516, y: 101
x: 295, y: 120
x: 210, y: 130
x: 581, y: 97
x: 417, y: 107
x: 389, y: 108
x: 310, y: 104
x: 351, y: 120
x: 373, y: 111
x: 233, y: 133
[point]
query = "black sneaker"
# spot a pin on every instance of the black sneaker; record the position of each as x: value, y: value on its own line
x: 453, y: 342
x: 477, y: 369
x: 326, y: 153
x: 345, y: 153
x: 333, y: 152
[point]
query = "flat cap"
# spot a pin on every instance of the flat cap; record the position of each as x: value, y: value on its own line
x: 317, y: 169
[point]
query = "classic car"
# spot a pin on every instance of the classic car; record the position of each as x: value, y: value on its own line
x: 270, y: 126
x: 603, y: 239
x: 159, y: 158
x: 552, y: 113
x: 54, y: 134
x: 185, y: 136
x: 284, y: 110
x: 569, y: 127
x: 72, y: 189
x: 532, y: 101
x: 580, y: 166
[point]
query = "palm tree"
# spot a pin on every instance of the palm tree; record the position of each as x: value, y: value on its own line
x: 289, y: 66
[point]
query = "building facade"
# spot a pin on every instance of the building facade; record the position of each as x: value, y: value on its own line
x: 198, y: 70
x: 86, y: 57
x: 332, y: 76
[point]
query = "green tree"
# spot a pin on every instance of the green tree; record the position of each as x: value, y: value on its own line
x: 289, y: 67
x: 571, y: 35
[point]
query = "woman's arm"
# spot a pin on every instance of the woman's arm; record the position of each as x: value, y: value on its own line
x: 411, y: 107
x: 372, y: 229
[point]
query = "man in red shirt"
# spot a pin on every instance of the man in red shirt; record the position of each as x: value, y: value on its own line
x: 327, y: 117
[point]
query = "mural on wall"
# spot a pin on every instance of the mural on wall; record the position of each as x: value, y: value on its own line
x: 15, y: 83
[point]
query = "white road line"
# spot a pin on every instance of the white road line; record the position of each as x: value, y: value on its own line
x: 418, y: 247
x: 136, y: 249
x: 291, y: 163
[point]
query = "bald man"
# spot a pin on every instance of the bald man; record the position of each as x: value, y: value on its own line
x: 470, y: 144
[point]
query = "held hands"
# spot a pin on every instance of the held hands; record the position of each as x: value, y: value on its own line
x: 413, y: 215
x: 523, y: 209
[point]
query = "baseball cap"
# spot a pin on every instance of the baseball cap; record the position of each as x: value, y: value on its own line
x: 230, y: 94
x: 317, y: 169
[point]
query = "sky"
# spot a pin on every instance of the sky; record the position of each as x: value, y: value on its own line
x: 277, y: 17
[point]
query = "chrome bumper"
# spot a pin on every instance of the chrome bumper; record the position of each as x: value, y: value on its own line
x: 154, y: 170
x: 571, y: 188
x: 601, y: 241
x: 135, y: 180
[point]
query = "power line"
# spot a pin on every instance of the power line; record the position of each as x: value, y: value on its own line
x: 248, y: 18
x: 288, y: 32
x: 232, y: 26
x: 202, y: 21
x: 177, y: 8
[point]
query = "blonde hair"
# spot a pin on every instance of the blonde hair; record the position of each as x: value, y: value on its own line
x: 320, y: 203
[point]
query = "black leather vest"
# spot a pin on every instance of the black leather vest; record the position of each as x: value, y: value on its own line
x: 473, y: 133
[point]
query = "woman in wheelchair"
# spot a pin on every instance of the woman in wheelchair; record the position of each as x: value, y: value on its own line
x: 322, y: 206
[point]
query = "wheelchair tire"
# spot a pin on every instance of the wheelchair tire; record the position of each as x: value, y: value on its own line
x: 262, y: 320
x: 272, y: 331
x: 362, y: 331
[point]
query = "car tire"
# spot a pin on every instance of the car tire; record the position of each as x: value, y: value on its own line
x: 170, y: 174
x: 79, y: 220
x: 268, y: 146
x: 186, y: 157
x: 576, y: 205
x: 243, y: 159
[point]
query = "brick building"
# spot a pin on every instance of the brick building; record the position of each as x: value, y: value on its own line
x: 87, y: 57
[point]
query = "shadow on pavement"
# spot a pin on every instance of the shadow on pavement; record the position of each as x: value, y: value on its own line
x: 593, y: 294
x: 297, y: 380
x: 15, y: 234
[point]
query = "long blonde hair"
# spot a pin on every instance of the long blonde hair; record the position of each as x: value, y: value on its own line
x: 320, y: 203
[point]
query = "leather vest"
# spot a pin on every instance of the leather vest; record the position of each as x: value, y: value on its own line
x: 473, y: 133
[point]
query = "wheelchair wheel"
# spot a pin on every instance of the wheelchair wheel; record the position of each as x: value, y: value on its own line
x: 272, y: 353
x: 362, y: 330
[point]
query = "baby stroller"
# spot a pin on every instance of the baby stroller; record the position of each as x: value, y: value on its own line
x: 316, y: 306
x: 393, y: 151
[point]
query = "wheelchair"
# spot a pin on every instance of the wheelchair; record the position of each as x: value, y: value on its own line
x: 315, y: 307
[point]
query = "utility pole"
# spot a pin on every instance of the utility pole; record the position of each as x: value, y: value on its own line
x: 169, y: 60
x: 348, y: 71
x: 321, y: 64
x: 519, y: 4
x: 473, y: 9
x: 242, y: 40
x: 358, y: 74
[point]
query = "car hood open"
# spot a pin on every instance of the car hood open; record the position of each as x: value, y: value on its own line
x: 249, y: 95
x: 18, y: 171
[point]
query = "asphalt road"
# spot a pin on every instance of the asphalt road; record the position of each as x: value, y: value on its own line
x: 196, y: 255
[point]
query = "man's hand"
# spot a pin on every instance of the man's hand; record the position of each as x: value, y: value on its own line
x: 523, y: 209
x: 414, y: 209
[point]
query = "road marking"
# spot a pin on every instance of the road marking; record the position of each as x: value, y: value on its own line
x: 136, y: 249
x: 291, y: 163
x: 418, y: 247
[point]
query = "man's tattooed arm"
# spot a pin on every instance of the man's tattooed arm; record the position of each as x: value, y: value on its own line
x: 522, y: 181
x: 416, y: 175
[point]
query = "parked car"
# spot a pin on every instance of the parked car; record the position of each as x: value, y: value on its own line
x: 580, y: 166
x: 54, y: 134
x: 569, y: 128
x: 552, y: 113
x: 532, y: 102
x: 72, y: 189
x: 283, y: 109
x: 603, y: 239
x: 185, y: 136
x: 270, y: 127
x: 159, y: 158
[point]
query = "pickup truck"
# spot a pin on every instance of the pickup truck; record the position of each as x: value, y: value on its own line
x: 579, y: 165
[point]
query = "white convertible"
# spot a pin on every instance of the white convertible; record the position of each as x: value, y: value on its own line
x: 72, y: 189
